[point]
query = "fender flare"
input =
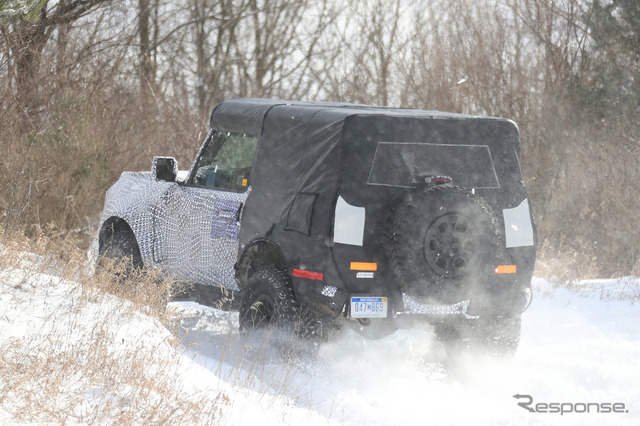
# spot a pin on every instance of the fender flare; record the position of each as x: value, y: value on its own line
x: 110, y: 227
x: 259, y: 253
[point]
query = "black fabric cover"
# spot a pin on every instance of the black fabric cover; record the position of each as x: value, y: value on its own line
x: 326, y: 149
x: 300, y: 214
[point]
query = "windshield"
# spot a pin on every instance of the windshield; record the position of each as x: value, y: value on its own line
x: 226, y: 161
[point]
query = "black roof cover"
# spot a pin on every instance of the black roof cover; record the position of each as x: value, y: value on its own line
x: 247, y: 114
x: 308, y: 152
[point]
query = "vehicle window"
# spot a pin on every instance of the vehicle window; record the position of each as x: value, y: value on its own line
x: 226, y: 161
x: 404, y: 164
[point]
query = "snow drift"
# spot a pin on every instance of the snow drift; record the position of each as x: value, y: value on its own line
x: 72, y: 354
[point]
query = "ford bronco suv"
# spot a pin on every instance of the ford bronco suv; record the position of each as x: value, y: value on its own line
x: 375, y: 216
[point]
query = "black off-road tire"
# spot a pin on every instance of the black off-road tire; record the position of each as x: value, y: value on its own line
x: 444, y: 238
x: 267, y: 300
x: 121, y: 245
x: 496, y: 336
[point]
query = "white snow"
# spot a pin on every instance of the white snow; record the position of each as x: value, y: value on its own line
x: 578, y: 345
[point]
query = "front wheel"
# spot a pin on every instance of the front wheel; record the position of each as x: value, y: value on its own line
x: 120, y: 245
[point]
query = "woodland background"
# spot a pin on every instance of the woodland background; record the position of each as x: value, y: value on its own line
x: 89, y: 88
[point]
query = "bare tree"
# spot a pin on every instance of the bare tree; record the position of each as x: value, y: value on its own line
x: 251, y: 47
x: 361, y: 62
x: 147, y: 80
x: 26, y: 40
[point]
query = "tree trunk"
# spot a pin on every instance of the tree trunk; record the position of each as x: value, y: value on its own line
x: 28, y: 42
x: 146, y: 68
x: 201, y: 55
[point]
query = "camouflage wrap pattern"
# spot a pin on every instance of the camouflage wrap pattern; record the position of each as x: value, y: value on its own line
x: 191, y: 231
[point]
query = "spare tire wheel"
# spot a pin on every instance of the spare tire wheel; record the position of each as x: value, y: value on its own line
x: 444, y: 239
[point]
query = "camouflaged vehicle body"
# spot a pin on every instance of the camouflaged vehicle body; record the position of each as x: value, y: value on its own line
x: 349, y: 201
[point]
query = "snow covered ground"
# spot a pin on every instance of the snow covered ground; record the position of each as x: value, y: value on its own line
x: 580, y: 351
x: 576, y: 349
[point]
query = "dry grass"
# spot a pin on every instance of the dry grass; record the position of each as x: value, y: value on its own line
x: 54, y: 173
x: 90, y: 356
x: 83, y: 358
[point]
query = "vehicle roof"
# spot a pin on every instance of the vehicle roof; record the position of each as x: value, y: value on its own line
x: 310, y: 151
x: 247, y: 114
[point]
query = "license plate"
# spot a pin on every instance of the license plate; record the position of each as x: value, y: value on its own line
x: 368, y: 307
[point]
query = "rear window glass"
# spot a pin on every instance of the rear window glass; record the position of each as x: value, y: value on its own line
x: 404, y: 164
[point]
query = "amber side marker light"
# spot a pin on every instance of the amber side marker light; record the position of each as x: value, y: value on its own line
x: 506, y: 269
x: 364, y: 266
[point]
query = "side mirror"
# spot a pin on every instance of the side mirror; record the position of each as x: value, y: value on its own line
x: 164, y: 168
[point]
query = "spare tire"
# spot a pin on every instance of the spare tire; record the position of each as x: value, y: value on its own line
x: 444, y: 242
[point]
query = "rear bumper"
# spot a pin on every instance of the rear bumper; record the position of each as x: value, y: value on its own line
x: 413, y: 307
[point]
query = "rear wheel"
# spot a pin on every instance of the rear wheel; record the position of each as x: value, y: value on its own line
x: 268, y: 299
x: 496, y: 336
x: 444, y: 250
